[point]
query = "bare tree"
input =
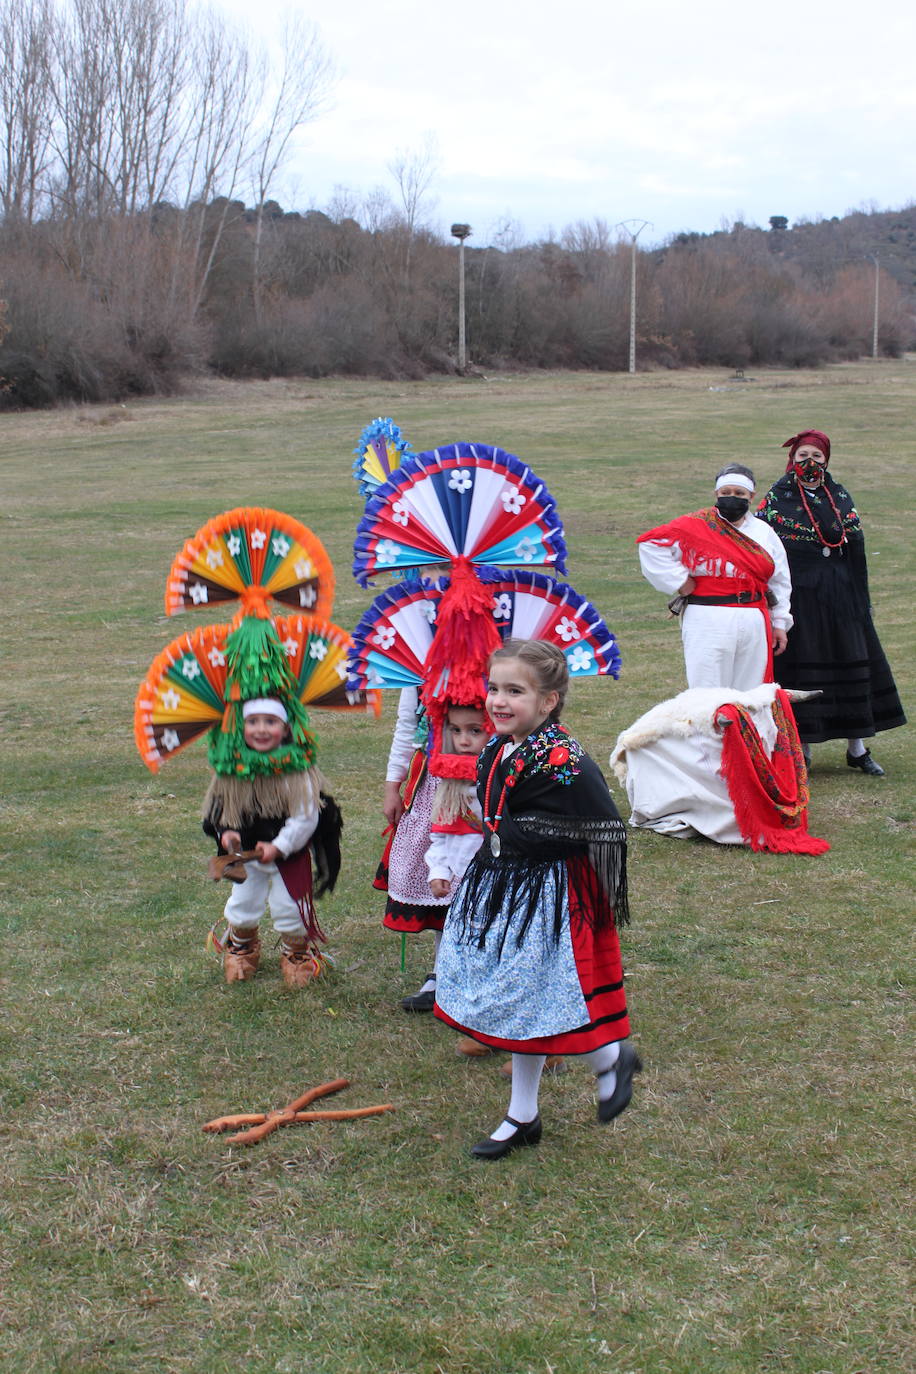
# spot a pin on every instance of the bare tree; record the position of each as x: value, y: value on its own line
x: 414, y: 173
x: 25, y: 114
x: 288, y: 101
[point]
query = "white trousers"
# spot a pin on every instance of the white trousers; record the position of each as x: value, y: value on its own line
x: 263, y: 888
x: 724, y: 646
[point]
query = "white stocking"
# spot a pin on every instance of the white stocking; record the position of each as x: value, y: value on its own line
x: 430, y: 984
x: 600, y: 1061
x: 523, y: 1104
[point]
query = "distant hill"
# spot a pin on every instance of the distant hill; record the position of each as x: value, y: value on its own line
x: 822, y: 247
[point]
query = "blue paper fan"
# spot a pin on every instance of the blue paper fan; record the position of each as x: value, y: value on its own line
x: 379, y: 453
x: 529, y: 605
x: 464, y: 500
x: 392, y: 640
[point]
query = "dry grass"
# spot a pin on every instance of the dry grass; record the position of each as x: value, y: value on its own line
x: 749, y: 1214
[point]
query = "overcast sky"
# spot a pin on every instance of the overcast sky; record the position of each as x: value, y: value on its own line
x: 682, y: 114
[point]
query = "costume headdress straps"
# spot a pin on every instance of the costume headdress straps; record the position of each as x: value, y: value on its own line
x: 456, y: 664
x: 815, y: 437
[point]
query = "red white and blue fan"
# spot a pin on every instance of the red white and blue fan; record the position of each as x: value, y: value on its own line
x: 467, y: 501
x: 392, y: 642
x: 380, y: 452
x: 529, y: 605
x: 393, y: 638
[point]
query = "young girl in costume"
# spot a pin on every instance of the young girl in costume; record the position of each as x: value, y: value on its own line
x: 410, y: 789
x: 456, y: 834
x: 485, y: 518
x: 530, y: 959
x: 456, y: 829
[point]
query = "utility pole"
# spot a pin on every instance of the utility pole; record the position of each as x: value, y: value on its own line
x: 874, y: 332
x: 627, y: 226
x: 461, y: 232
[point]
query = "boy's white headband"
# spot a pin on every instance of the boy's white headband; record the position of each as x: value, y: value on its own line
x: 265, y: 706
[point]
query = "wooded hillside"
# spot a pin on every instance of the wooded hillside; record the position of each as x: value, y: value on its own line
x: 140, y: 241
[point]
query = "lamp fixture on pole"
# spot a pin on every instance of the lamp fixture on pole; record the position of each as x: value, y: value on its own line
x: 627, y: 225
x: 461, y: 232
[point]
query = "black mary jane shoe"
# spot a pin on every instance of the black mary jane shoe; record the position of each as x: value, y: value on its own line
x: 865, y: 763
x: 421, y: 1001
x: 526, y: 1133
x: 628, y: 1063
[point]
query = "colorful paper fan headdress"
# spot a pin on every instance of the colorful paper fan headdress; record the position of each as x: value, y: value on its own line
x: 379, y: 453
x: 397, y: 642
x: 481, y: 512
x: 462, y: 501
x: 252, y: 555
x: 199, y: 682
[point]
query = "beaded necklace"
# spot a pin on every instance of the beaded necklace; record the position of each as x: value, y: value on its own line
x: 491, y: 820
x: 815, y: 526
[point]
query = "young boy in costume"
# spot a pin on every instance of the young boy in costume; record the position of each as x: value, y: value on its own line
x: 245, y: 688
x: 274, y: 816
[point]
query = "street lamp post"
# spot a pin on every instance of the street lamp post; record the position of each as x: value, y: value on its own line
x: 627, y: 226
x: 461, y: 232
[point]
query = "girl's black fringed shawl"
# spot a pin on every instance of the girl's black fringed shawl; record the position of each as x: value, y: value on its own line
x: 557, y: 811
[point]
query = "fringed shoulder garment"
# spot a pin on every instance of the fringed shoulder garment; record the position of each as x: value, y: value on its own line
x: 530, y: 957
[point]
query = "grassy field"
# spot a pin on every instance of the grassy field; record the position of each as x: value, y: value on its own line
x: 749, y: 1213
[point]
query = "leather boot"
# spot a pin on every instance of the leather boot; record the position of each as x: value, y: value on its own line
x: 241, y: 955
x: 298, y: 963
x: 470, y: 1048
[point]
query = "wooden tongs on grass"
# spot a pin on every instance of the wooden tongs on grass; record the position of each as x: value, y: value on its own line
x: 261, y: 1124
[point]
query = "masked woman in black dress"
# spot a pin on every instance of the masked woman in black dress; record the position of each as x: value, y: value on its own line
x: 833, y: 645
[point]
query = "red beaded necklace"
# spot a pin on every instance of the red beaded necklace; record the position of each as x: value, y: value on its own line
x: 810, y: 514
x: 490, y: 820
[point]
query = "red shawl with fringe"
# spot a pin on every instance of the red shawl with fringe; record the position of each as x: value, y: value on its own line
x: 708, y: 541
x: 770, y: 796
x: 705, y: 538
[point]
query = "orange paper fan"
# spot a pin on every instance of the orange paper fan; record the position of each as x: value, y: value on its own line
x: 252, y: 554
x: 183, y: 694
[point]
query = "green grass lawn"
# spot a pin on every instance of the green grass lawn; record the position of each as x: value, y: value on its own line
x: 749, y: 1213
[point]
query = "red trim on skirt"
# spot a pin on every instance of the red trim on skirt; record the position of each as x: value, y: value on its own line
x: 410, y: 918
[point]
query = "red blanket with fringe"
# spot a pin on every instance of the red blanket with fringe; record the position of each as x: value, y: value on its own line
x: 770, y: 795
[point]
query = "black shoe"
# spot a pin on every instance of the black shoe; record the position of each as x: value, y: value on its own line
x: 421, y: 1001
x: 526, y: 1133
x: 628, y: 1063
x: 866, y: 763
